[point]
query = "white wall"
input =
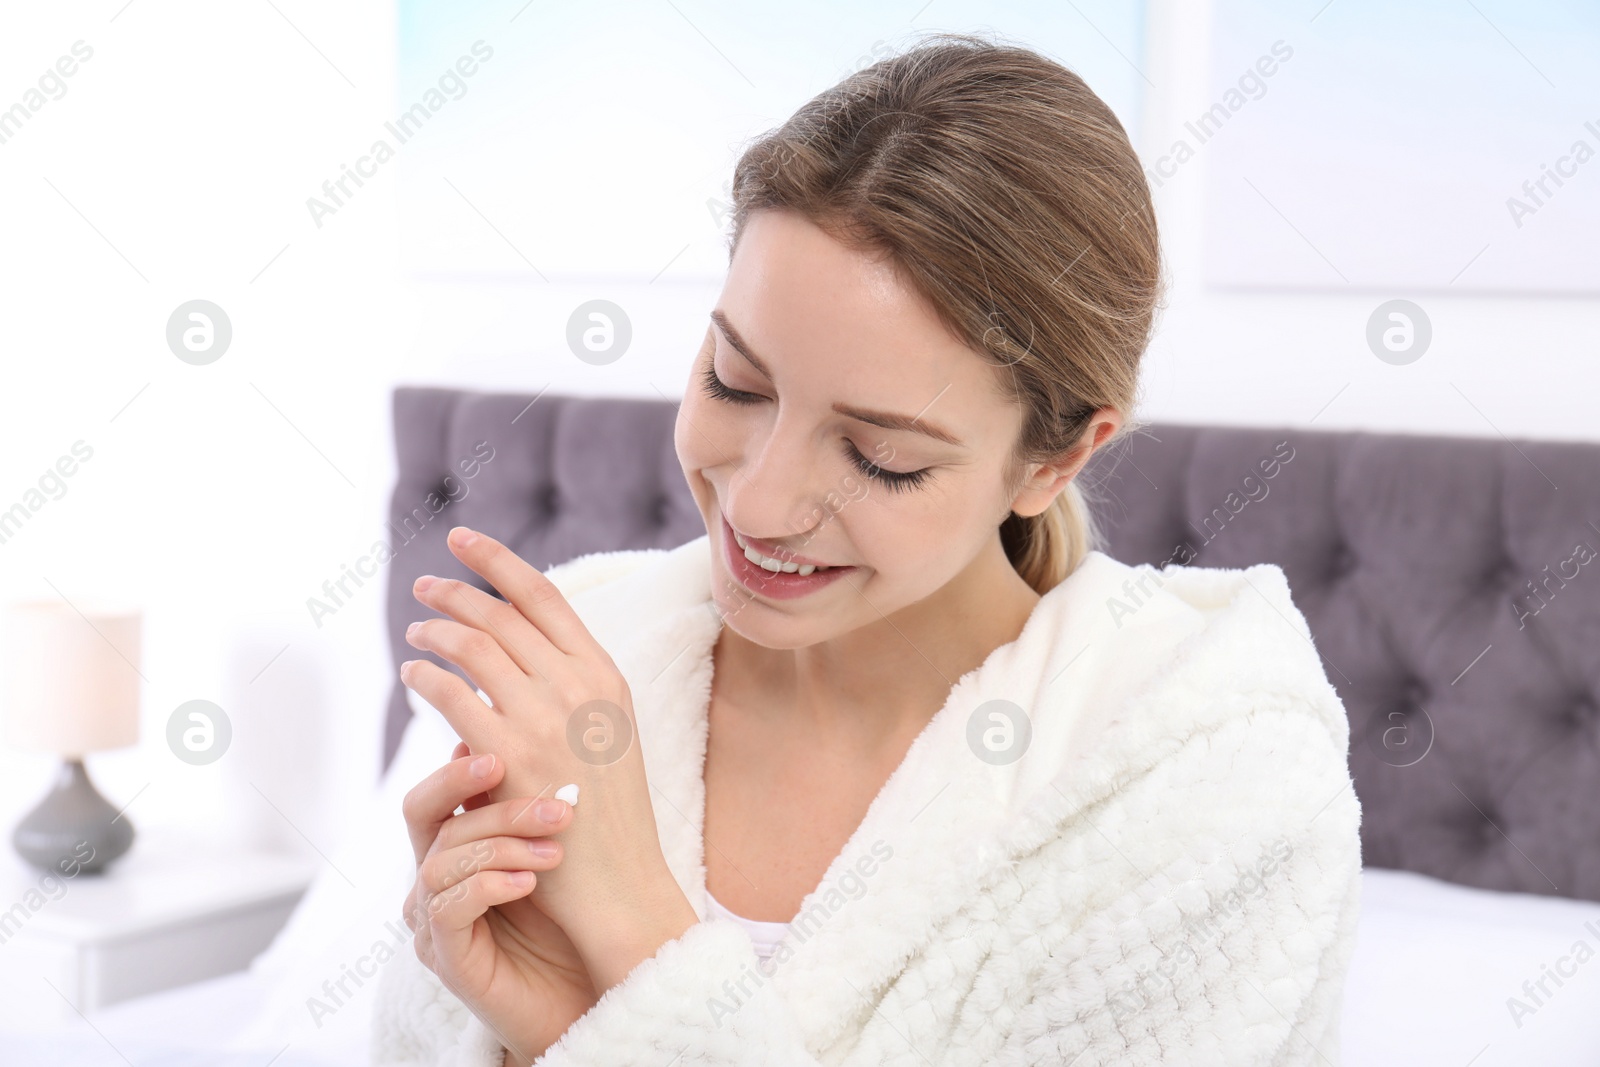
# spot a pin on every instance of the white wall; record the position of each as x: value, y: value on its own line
x: 1498, y: 365
x: 221, y: 497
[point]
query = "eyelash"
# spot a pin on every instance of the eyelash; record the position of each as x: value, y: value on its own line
x: 898, y: 480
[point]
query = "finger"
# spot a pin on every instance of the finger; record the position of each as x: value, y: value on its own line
x: 409, y: 910
x: 471, y: 606
x: 471, y: 802
x: 482, y: 655
x: 444, y: 869
x: 518, y: 817
x: 433, y: 801
x: 457, y: 701
x: 527, y: 589
x: 451, y: 914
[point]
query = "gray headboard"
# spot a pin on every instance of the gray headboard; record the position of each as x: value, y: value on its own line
x: 1452, y: 586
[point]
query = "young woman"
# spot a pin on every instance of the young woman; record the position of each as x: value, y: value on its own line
x: 893, y: 765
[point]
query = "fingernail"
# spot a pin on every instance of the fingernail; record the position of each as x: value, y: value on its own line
x: 544, y: 849
x: 424, y: 583
x: 521, y: 877
x: 481, y: 766
x: 463, y: 537
x: 412, y: 628
x: 551, y: 810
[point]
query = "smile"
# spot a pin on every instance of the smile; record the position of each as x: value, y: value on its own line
x: 779, y: 579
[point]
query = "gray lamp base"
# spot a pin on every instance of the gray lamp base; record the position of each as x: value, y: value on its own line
x: 73, y: 829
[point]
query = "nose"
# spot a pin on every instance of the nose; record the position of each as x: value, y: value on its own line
x: 777, y: 489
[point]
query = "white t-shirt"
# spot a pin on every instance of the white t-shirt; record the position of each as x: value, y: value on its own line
x: 766, y: 935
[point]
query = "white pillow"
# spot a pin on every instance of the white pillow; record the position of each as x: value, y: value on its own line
x: 1439, y: 970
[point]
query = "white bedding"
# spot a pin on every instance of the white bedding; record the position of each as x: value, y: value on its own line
x: 1434, y: 970
x: 1436, y: 967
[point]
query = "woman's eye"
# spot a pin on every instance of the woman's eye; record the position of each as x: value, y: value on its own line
x: 896, y: 480
x: 718, y: 388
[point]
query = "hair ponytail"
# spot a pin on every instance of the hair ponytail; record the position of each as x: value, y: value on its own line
x: 1046, y: 547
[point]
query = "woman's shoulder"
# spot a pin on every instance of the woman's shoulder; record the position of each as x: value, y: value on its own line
x: 1206, y: 590
x: 1233, y: 602
x: 1206, y: 644
x: 1208, y: 684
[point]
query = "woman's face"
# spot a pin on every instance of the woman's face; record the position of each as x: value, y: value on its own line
x: 858, y: 434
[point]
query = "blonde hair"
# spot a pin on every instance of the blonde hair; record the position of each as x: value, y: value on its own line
x: 1007, y: 193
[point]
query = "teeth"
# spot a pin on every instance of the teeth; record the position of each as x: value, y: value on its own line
x: 774, y: 565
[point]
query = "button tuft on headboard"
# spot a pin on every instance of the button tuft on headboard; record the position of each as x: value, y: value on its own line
x: 1582, y: 714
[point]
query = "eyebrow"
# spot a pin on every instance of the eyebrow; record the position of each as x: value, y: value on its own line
x: 876, y: 418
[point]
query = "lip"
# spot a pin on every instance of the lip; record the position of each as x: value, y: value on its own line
x: 771, y: 551
x: 778, y: 585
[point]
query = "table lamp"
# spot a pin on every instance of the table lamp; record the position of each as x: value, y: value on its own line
x: 72, y: 687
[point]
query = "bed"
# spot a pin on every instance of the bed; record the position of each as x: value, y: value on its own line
x: 1441, y: 581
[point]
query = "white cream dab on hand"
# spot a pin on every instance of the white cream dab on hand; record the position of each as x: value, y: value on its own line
x: 569, y: 793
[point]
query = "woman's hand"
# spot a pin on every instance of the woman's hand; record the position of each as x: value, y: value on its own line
x: 559, y: 712
x: 474, y: 925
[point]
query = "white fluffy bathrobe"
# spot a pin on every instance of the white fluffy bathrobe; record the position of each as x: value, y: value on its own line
x: 1169, y: 874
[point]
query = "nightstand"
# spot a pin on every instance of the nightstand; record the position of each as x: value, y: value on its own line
x: 172, y: 911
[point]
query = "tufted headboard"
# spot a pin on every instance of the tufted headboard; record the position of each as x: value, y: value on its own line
x: 1452, y: 586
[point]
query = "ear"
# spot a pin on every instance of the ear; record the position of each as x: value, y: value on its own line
x: 1045, y: 481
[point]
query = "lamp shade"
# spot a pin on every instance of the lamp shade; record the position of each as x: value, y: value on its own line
x: 71, y: 677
